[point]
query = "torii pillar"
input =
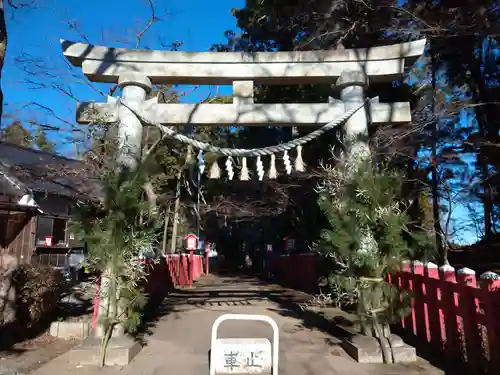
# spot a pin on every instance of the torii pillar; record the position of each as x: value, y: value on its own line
x: 352, y: 85
x: 135, y: 88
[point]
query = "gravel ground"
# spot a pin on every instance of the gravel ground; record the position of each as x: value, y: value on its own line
x: 31, y: 354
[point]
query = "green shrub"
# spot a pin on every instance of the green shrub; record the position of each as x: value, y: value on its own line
x: 38, y: 290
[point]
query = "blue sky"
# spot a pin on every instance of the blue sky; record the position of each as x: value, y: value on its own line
x: 34, y: 35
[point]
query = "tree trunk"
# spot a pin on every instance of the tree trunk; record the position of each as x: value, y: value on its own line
x: 165, y: 227
x: 7, y: 262
x: 434, y: 175
x: 477, y: 85
x: 3, y: 51
x: 177, y: 207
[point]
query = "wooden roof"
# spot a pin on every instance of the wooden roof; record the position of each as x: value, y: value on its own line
x: 24, y: 170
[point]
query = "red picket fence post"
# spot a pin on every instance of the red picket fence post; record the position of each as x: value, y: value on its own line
x: 168, y: 263
x: 286, y: 269
x: 298, y: 271
x: 195, y: 267
x: 198, y: 267
x: 173, y: 261
x: 184, y: 270
x: 469, y: 306
x: 434, y: 317
x: 450, y: 309
x: 397, y: 281
x: 420, y: 301
x: 176, y: 262
x: 207, y: 258
x: 307, y: 269
x: 490, y: 287
x: 407, y: 284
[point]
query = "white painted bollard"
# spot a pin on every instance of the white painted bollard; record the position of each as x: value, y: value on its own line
x: 244, y: 355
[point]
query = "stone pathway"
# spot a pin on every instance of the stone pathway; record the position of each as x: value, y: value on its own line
x: 178, y: 344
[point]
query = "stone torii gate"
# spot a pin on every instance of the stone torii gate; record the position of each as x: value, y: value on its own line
x: 135, y: 72
x: 349, y: 70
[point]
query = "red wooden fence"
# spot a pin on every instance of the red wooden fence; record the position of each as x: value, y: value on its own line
x: 179, y: 268
x: 174, y: 271
x: 451, y: 312
x: 297, y: 271
x: 454, y: 313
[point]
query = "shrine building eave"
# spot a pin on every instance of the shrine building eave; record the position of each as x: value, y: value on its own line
x: 381, y: 64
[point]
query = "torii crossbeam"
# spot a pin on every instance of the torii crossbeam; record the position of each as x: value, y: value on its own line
x: 103, y: 64
x: 136, y: 70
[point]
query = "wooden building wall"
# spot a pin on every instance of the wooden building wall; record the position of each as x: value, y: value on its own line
x: 17, y: 232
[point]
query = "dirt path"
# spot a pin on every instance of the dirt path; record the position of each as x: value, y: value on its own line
x: 179, y: 342
x: 31, y: 354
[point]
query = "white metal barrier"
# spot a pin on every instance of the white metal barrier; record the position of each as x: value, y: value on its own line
x: 244, y: 355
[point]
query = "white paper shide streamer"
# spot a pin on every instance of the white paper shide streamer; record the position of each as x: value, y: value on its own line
x: 215, y: 172
x: 229, y: 167
x: 260, y: 168
x: 286, y: 161
x: 299, y: 163
x: 273, y: 173
x: 244, y: 174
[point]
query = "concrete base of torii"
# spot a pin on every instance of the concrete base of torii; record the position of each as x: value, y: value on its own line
x: 120, y: 351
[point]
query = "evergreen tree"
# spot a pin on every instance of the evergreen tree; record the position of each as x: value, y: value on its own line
x: 368, y: 238
x: 17, y: 134
x: 117, y: 233
x: 42, y: 142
